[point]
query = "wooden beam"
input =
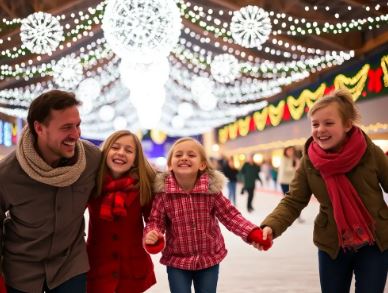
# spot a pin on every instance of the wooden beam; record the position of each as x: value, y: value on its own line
x: 8, y: 10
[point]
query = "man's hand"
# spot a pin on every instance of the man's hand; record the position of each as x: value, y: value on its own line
x: 267, y: 234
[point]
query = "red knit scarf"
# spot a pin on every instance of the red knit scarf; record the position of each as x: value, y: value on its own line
x: 354, y: 224
x: 114, y: 193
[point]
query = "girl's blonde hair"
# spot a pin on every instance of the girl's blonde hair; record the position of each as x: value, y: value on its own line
x: 201, y: 151
x: 141, y: 167
x: 346, y: 106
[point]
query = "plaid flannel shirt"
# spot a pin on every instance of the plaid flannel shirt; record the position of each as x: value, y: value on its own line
x: 190, y: 223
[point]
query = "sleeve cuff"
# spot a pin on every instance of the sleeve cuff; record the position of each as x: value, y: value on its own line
x: 256, y: 235
x: 155, y: 248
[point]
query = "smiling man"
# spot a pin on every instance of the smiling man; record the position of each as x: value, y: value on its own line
x: 44, y: 187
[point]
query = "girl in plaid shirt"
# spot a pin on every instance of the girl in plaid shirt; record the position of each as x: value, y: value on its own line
x: 187, y: 206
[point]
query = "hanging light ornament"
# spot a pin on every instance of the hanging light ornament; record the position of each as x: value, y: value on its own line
x: 148, y: 102
x: 67, y: 73
x: 87, y: 92
x: 178, y: 122
x: 225, y: 68
x: 41, y: 33
x: 185, y: 110
x: 134, y: 74
x: 119, y: 123
x: 201, y: 86
x: 250, y: 26
x: 141, y: 29
x: 106, y: 113
x: 207, y: 102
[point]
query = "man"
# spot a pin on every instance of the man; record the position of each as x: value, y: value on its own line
x: 44, y: 188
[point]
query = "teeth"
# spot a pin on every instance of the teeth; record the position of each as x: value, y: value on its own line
x: 69, y: 143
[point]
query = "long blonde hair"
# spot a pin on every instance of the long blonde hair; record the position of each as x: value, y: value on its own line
x: 141, y: 167
x: 201, y: 151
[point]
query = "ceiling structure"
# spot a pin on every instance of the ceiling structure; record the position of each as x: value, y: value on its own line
x: 306, y: 39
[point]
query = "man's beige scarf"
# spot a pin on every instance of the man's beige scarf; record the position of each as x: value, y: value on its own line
x: 39, y: 170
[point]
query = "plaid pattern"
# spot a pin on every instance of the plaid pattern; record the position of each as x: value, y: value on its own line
x: 190, y: 221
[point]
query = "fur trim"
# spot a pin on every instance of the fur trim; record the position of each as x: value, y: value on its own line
x: 217, y: 181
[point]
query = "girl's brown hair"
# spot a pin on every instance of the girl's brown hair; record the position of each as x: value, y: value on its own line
x: 141, y: 168
x: 346, y: 106
x: 201, y: 151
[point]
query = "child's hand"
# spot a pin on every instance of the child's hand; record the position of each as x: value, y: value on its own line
x: 152, y: 237
x: 153, y: 242
x: 261, y: 239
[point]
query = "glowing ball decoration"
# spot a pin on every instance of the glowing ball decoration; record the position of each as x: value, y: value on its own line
x: 88, y: 91
x: 41, y: 33
x: 225, y: 68
x: 185, y: 110
x: 106, y: 113
x: 67, y: 72
x: 250, y: 26
x: 207, y: 102
x: 201, y: 86
x: 141, y: 29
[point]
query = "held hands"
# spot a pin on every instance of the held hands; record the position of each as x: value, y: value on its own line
x: 153, y: 242
x: 261, y: 239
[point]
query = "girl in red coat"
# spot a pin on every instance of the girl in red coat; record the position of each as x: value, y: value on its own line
x: 118, y: 262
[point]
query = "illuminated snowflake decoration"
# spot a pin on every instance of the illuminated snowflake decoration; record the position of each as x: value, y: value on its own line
x: 41, y: 33
x: 250, y: 26
x: 67, y: 73
x: 141, y: 29
x: 225, y: 68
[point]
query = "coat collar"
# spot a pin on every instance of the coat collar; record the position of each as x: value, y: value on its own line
x: 209, y: 182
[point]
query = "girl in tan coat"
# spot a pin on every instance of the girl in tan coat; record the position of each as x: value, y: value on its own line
x: 344, y: 170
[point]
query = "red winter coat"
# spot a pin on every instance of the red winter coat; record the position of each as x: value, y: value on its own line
x: 118, y: 262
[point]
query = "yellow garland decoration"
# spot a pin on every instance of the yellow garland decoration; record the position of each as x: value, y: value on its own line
x: 276, y: 113
x: 243, y: 125
x: 354, y: 84
x: 307, y: 97
x: 158, y: 136
x: 233, y: 127
x: 260, y: 118
x: 223, y: 134
x: 384, y: 62
x: 312, y: 97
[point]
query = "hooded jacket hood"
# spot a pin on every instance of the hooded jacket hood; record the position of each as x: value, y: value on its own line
x: 216, y: 181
